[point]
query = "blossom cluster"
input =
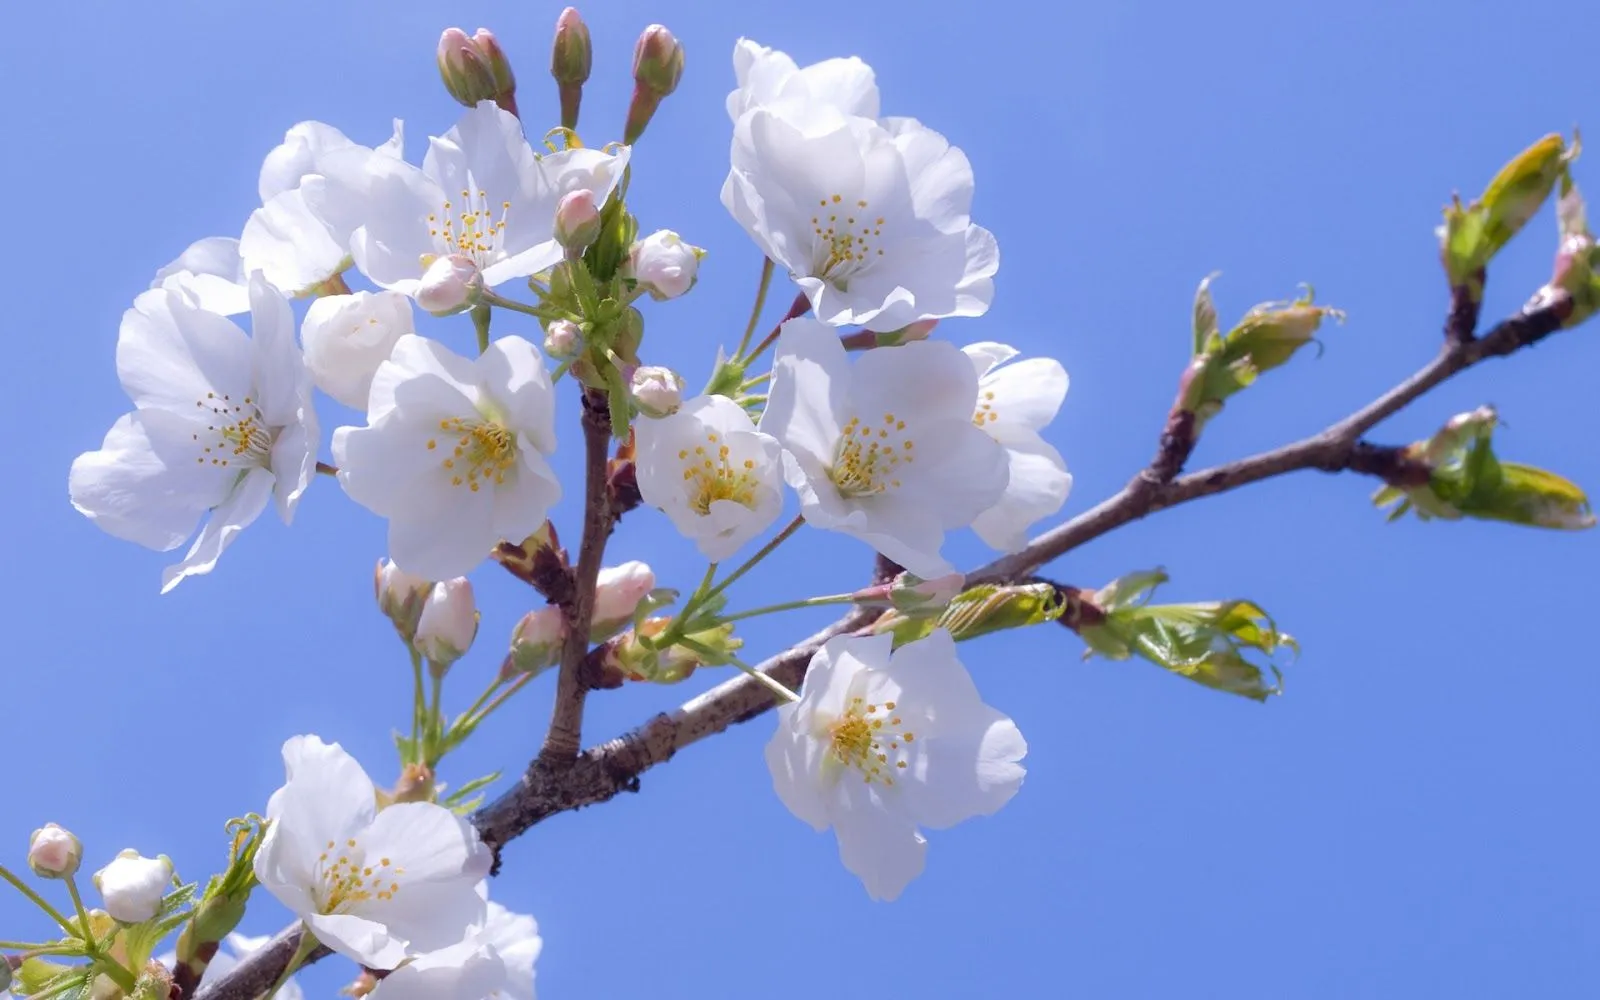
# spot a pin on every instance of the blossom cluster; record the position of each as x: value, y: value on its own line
x: 881, y: 429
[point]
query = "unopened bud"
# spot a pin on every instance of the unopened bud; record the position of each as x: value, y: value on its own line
x: 635, y: 661
x: 53, y: 852
x: 658, y: 61
x: 505, y: 81
x: 563, y: 338
x: 400, y: 596
x: 450, y: 284
x: 465, y: 69
x: 663, y: 264
x: 911, y: 593
x: 154, y: 983
x: 570, y: 58
x: 617, y: 594
x: 1471, y: 236
x: 536, y: 641
x: 133, y: 886
x: 448, y: 622
x: 864, y: 340
x: 657, y: 391
x: 577, y: 221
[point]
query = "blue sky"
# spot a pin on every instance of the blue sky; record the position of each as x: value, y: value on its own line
x: 1415, y: 817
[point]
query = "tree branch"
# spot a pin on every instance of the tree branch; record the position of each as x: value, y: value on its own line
x: 566, y: 722
x: 600, y: 773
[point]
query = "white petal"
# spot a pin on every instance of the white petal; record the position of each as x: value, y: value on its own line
x: 965, y: 474
x: 171, y: 355
x: 1037, y: 487
x: 384, y: 203
x: 446, y: 546
x: 283, y: 384
x: 210, y: 272
x: 907, y: 532
x: 795, y: 762
x: 1027, y: 393
x: 521, y: 505
x: 516, y: 937
x: 810, y: 382
x: 347, y: 337
x: 291, y: 244
x: 929, y: 380
x: 302, y: 148
x: 513, y: 371
x: 471, y: 969
x: 484, y: 151
x: 441, y: 860
x: 144, y: 485
x: 241, y: 508
x: 834, y: 668
x: 878, y: 845
x: 986, y: 355
x: 360, y: 939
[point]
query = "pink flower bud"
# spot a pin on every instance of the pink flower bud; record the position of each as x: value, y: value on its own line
x: 505, y: 82
x: 664, y: 264
x: 577, y: 221
x: 53, y: 852
x: 571, y: 55
x: 911, y: 593
x: 617, y: 594
x: 536, y: 641
x: 657, y: 391
x: 400, y: 596
x: 450, y: 285
x: 562, y: 338
x: 448, y: 623
x: 658, y: 61
x: 465, y: 69
x: 133, y: 886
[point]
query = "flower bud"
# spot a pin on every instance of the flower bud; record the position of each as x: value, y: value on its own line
x: 536, y: 641
x: 637, y: 662
x: 577, y: 221
x: 570, y: 58
x: 908, y: 592
x: 505, y: 81
x: 53, y: 852
x: 657, y: 391
x: 1471, y: 236
x: 617, y: 594
x: 563, y: 338
x: 400, y: 596
x: 450, y: 284
x: 464, y: 68
x: 663, y: 264
x: 448, y: 622
x: 657, y: 61
x: 133, y: 886
x: 864, y: 340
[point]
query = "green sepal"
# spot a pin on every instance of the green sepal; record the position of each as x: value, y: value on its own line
x: 1472, y: 235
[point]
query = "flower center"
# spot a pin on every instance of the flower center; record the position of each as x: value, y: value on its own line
x: 986, y: 412
x: 858, y: 739
x: 475, y: 233
x: 236, y: 436
x: 343, y: 878
x: 846, y: 239
x: 712, y: 477
x: 484, y: 451
x: 868, y: 457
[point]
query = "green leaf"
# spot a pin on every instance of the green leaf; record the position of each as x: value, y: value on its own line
x: 978, y: 611
x: 476, y: 784
x: 1205, y: 313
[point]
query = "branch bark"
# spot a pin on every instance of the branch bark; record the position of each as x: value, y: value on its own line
x: 604, y: 771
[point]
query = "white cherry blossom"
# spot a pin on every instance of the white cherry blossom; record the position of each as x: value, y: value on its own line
x: 884, y: 743
x: 471, y: 969
x: 711, y: 472
x: 222, y: 423
x: 885, y: 449
x: 869, y: 218
x: 346, y: 338
x: 1016, y: 402
x: 516, y: 937
x: 819, y: 96
x: 375, y: 886
x: 133, y: 885
x: 455, y: 452
x: 481, y: 193
x: 211, y: 273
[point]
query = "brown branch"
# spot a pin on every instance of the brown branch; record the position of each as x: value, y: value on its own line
x: 566, y: 721
x: 602, y: 772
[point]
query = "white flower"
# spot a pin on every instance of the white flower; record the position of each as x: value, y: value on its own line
x: 222, y: 422
x: 303, y: 150
x: 224, y: 962
x: 373, y: 886
x: 455, y: 452
x: 884, y: 450
x: 481, y: 193
x: 132, y: 886
x: 211, y: 274
x: 657, y: 391
x: 448, y: 622
x: 1015, y: 403
x: 346, y: 338
x: 471, y: 969
x: 869, y: 218
x: 516, y: 937
x: 820, y: 95
x: 617, y: 593
x: 663, y: 264
x: 882, y: 743
x: 713, y: 474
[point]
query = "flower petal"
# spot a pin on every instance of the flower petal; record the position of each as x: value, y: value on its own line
x: 1027, y: 393
x: 172, y: 355
x: 360, y: 939
x: 438, y: 861
x: 144, y: 484
x: 878, y: 845
x: 1037, y: 486
x: 241, y: 508
x: 811, y: 379
x: 210, y: 272
x: 289, y: 242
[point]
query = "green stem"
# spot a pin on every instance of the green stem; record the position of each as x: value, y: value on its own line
x: 489, y: 298
x: 488, y: 692
x: 675, y: 627
x: 765, y: 680
x: 418, y: 707
x: 503, y: 697
x: 481, y: 315
x: 34, y: 946
x: 104, y: 965
x: 39, y: 901
x: 308, y: 944
x: 810, y: 602
x: 77, y: 904
x: 755, y: 310
x: 761, y: 553
x: 438, y: 692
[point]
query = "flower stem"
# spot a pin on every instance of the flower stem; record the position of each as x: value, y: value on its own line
x: 755, y: 310
x: 417, y: 704
x: 809, y: 602
x: 799, y: 307
x: 324, y: 469
x: 761, y: 553
x: 36, y: 947
x: 481, y: 316
x: 491, y: 299
x: 39, y: 901
x: 765, y: 680
x: 503, y: 697
x: 77, y: 904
